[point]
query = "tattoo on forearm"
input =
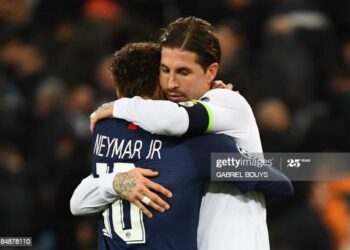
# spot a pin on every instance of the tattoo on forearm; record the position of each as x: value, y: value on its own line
x: 105, y: 106
x: 124, y: 183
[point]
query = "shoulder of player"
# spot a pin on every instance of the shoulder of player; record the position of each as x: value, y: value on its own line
x: 110, y: 125
x: 226, y: 98
x: 109, y: 121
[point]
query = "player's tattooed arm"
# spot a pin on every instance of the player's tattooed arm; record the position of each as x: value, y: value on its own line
x: 134, y: 186
x: 103, y: 112
x: 105, y: 107
x: 124, y: 183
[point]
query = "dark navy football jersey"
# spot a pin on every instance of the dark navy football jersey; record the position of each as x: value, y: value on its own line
x: 122, y: 225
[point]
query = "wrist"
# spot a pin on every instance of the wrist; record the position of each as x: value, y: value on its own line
x: 122, y: 171
x: 124, y: 183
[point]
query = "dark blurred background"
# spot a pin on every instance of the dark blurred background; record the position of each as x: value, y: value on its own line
x: 289, y: 58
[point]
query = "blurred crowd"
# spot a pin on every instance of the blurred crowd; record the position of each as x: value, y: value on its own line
x: 289, y: 58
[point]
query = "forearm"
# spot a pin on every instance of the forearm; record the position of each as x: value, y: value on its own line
x: 155, y: 116
x: 93, y: 195
x: 225, y: 112
x: 276, y: 187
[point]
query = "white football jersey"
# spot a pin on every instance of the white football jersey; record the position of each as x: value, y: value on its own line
x: 229, y: 219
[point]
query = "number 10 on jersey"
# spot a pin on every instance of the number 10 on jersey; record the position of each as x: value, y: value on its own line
x: 117, y: 215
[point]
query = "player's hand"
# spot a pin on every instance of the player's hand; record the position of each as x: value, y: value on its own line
x: 103, y: 112
x: 136, y: 188
x: 218, y: 84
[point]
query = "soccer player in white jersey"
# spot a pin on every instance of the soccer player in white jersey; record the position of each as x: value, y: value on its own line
x: 190, y: 61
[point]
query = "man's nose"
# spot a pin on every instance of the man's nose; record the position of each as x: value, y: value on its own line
x: 173, y: 83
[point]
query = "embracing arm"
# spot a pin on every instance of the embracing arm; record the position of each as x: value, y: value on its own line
x: 220, y: 111
x: 274, y: 187
x: 155, y: 116
x: 93, y: 195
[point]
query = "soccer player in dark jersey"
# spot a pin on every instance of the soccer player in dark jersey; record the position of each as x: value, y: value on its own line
x: 184, y: 166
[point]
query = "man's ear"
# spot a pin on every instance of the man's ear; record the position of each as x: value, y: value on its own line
x: 212, y: 71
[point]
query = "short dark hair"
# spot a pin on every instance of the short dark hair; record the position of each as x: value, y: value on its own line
x: 195, y: 35
x: 135, y: 69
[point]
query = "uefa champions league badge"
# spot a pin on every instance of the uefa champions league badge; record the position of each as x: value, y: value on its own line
x: 188, y: 104
x: 244, y: 152
x: 204, y: 99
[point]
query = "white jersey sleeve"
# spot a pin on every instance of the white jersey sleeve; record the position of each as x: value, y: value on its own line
x: 155, y: 116
x: 93, y: 195
x: 229, y: 112
x: 226, y: 112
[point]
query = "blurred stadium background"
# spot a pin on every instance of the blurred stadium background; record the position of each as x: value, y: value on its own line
x: 289, y: 58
